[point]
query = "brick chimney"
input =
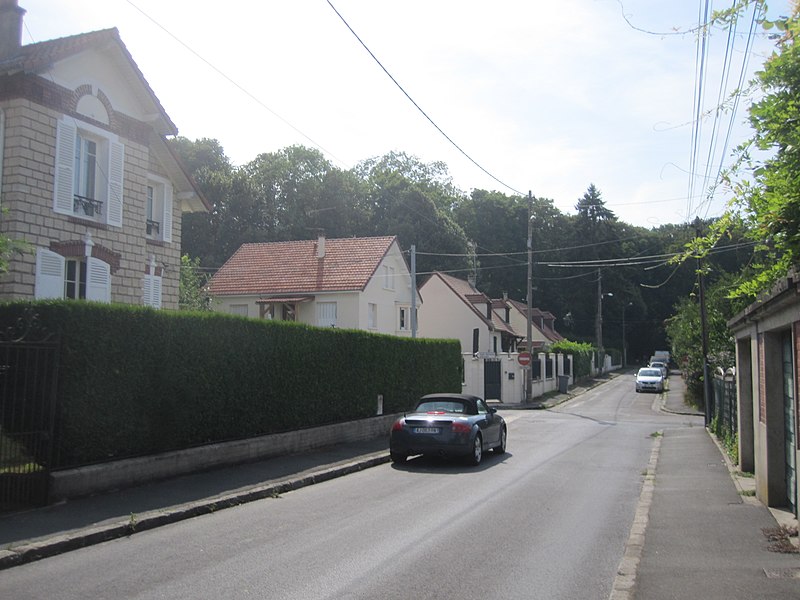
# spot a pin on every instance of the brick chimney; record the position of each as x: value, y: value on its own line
x: 10, y: 28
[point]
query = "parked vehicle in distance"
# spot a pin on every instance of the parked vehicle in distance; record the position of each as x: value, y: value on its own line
x: 657, y: 364
x: 449, y: 425
x: 649, y: 379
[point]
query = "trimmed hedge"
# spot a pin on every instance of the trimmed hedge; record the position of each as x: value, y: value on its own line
x: 136, y: 381
x: 582, y: 356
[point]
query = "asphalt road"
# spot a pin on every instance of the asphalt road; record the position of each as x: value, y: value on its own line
x: 549, y: 519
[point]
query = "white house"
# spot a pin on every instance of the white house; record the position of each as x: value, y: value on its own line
x: 353, y: 283
x: 454, y: 308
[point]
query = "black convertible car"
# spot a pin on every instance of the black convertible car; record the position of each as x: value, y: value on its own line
x: 449, y: 425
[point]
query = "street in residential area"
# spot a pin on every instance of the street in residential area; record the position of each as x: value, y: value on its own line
x: 593, y: 500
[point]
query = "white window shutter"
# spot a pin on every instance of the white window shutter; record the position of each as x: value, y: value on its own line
x: 326, y: 314
x: 49, y: 274
x: 166, y: 221
x: 98, y: 280
x: 156, y: 294
x: 63, y: 193
x: 116, y: 161
x: 147, y: 290
x: 152, y: 291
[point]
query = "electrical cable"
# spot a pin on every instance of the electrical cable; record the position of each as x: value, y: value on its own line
x: 418, y: 107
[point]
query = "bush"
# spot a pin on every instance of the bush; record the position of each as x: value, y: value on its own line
x: 135, y: 381
x: 582, y: 356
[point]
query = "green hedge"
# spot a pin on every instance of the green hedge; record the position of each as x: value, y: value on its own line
x: 136, y: 381
x: 582, y: 356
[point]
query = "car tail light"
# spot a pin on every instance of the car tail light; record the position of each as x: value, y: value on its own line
x: 461, y: 427
x: 397, y: 426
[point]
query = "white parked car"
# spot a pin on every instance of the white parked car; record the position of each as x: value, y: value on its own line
x: 649, y: 379
x: 657, y: 364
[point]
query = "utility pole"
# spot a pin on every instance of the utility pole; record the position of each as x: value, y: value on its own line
x: 529, y: 370
x: 598, y: 323
x: 707, y: 391
x: 413, y: 290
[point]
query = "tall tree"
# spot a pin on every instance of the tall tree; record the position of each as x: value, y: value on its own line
x: 767, y: 204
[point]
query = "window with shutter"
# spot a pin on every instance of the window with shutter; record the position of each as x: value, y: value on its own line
x: 158, y: 213
x: 326, y: 314
x: 88, y: 173
x: 76, y: 278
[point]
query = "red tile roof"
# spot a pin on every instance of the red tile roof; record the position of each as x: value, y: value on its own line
x: 289, y: 268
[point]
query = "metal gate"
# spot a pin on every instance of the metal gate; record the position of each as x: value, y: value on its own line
x: 492, y: 383
x: 28, y: 383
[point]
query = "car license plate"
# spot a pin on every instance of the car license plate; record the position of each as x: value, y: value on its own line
x: 433, y: 430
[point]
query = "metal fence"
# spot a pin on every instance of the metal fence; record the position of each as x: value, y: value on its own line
x: 724, y: 403
x: 28, y: 383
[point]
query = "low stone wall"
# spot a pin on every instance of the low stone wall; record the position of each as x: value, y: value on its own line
x: 83, y: 481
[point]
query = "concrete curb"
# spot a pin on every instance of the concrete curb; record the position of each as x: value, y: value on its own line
x: 33, y: 551
x: 624, y: 585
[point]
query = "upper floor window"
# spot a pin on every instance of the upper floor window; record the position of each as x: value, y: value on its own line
x: 158, y: 209
x: 388, y: 277
x: 89, y: 173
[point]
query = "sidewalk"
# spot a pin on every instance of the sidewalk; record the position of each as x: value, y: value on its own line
x: 698, y: 532
x: 39, y: 533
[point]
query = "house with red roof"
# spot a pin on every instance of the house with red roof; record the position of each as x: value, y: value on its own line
x: 492, y: 336
x: 353, y: 283
x: 543, y: 331
x: 87, y: 177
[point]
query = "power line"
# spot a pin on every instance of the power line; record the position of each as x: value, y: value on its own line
x: 234, y: 82
x: 417, y: 106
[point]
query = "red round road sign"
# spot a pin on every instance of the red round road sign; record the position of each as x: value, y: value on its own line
x: 524, y: 358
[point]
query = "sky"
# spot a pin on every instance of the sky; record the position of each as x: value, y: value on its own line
x: 534, y: 95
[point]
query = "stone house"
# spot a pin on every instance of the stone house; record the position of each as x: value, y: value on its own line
x: 88, y: 178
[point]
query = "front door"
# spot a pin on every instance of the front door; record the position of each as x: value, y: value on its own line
x: 491, y: 379
x: 788, y: 421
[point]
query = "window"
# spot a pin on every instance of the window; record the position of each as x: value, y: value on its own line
x: 238, y: 309
x: 158, y: 209
x: 372, y: 316
x: 404, y: 319
x: 88, y: 173
x: 475, y: 340
x: 75, y: 279
x: 388, y: 277
x: 85, y: 169
x: 78, y: 278
x: 326, y: 314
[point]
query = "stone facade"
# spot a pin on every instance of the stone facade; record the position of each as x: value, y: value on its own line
x: 32, y: 107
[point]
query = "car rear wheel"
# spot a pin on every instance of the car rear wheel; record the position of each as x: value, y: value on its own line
x: 477, y: 451
x: 398, y: 457
x: 501, y: 447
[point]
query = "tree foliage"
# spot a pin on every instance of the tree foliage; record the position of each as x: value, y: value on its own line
x: 295, y: 193
x: 191, y: 289
x: 766, y: 177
